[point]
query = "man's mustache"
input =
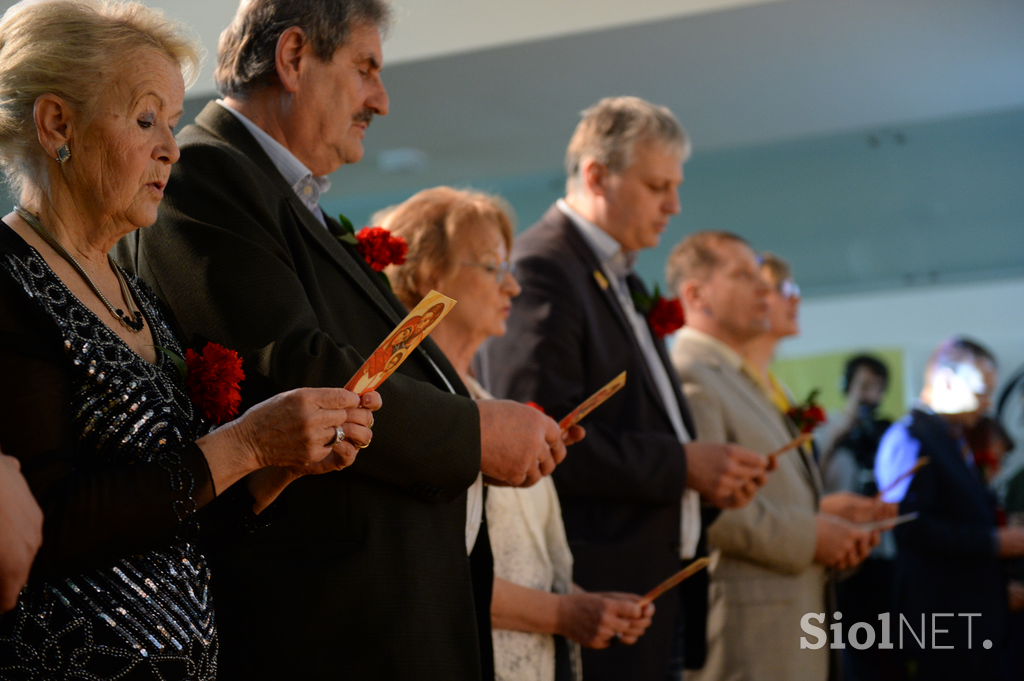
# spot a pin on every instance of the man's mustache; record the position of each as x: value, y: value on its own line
x: 364, y: 116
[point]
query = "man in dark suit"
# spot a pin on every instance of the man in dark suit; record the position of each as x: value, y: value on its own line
x: 362, y: 573
x: 574, y: 328
x: 948, y: 560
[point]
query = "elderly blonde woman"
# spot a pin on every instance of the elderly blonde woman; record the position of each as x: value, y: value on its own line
x: 459, y: 243
x: 113, y: 449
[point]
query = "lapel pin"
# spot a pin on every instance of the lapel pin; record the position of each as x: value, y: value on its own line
x: 600, y: 279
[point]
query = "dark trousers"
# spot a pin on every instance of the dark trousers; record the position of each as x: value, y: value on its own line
x: 481, y: 571
x: 861, y: 598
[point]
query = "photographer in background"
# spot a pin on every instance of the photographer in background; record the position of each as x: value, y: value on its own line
x: 848, y: 442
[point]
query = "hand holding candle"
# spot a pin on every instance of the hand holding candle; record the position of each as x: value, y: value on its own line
x: 691, y: 569
x: 593, y: 402
x: 797, y: 442
x: 921, y: 463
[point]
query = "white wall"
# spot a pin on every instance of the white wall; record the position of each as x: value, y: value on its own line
x: 916, y: 320
x: 431, y: 28
x: 428, y: 28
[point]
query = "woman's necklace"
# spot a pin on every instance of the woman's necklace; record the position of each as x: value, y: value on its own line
x: 133, y: 320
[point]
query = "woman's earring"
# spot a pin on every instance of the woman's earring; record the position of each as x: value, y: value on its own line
x: 63, y: 154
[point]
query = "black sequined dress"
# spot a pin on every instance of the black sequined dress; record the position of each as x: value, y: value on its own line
x: 106, y: 442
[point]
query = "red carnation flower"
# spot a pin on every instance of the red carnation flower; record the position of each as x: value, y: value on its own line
x: 809, y: 415
x: 666, y: 316
x: 212, y: 381
x: 986, y: 461
x: 380, y: 248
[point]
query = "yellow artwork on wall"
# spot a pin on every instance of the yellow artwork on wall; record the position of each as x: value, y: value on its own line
x: 825, y: 372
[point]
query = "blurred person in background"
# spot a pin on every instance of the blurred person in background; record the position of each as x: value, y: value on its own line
x: 1012, y: 664
x: 783, y: 300
x: 949, y: 560
x: 845, y: 478
x: 989, y: 443
x: 849, y: 440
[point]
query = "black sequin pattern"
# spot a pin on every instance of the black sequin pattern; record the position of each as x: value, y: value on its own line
x: 147, y: 616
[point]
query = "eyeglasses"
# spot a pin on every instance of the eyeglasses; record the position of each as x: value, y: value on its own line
x: 500, y: 271
x: 788, y: 289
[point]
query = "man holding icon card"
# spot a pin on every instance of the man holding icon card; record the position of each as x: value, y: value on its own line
x: 364, y: 573
x: 574, y: 328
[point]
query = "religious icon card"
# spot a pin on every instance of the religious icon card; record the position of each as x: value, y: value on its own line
x: 400, y: 343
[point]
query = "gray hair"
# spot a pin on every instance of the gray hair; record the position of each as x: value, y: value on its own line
x: 610, y: 130
x: 246, y: 54
x: 72, y: 49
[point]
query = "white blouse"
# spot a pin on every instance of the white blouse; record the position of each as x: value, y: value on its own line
x: 530, y: 549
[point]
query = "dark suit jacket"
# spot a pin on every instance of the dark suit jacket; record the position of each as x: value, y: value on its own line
x: 361, y: 573
x: 946, y: 560
x: 621, y: 487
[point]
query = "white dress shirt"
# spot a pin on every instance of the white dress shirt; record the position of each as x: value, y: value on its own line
x: 307, y: 187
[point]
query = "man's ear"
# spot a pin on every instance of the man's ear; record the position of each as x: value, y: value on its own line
x: 292, y: 48
x: 54, y: 121
x: 595, y: 176
x: 690, y: 294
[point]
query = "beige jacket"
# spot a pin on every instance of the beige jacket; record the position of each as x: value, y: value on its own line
x: 764, y: 579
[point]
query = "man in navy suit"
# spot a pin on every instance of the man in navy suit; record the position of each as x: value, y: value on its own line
x: 631, y: 491
x: 948, y: 568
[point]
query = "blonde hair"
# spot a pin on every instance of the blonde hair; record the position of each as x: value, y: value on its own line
x: 432, y: 222
x: 610, y: 130
x: 72, y: 49
x: 776, y: 266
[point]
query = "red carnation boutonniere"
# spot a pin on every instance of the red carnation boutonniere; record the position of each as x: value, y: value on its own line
x: 986, y: 461
x: 809, y: 415
x: 376, y: 245
x: 665, y: 315
x: 212, y: 379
